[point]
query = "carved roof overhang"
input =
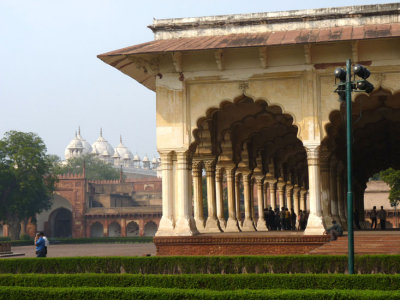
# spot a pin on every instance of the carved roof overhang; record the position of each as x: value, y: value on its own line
x: 141, y: 61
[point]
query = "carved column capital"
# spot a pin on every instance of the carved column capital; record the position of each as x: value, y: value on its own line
x: 280, y: 184
x: 312, y: 151
x: 183, y: 160
x: 210, y: 165
x: 296, y: 188
x: 288, y: 186
x: 197, y: 168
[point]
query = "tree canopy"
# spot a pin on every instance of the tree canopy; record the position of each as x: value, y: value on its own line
x: 392, y: 178
x: 95, y: 168
x: 26, y: 178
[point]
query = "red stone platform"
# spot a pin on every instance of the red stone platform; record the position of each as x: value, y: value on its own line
x: 259, y: 243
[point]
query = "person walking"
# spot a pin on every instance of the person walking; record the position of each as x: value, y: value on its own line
x: 282, y: 217
x: 382, y: 218
x: 46, y: 244
x: 293, y: 218
x: 372, y: 216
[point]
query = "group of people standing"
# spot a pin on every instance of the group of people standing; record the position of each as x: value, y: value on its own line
x: 41, y: 244
x: 283, y: 219
x: 381, y: 215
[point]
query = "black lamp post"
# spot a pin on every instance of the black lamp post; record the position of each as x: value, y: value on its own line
x: 344, y: 89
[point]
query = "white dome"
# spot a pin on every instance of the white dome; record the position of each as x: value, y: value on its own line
x: 102, y: 147
x: 87, y: 148
x: 136, y: 157
x: 145, y: 158
x: 123, y: 151
x: 74, y: 148
x: 154, y: 160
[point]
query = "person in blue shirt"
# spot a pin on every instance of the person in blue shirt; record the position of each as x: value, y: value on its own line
x: 40, y: 245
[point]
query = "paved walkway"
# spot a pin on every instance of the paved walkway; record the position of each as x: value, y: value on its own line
x: 137, y: 249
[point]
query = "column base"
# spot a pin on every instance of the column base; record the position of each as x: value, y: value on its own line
x: 222, y: 224
x: 248, y: 225
x: 185, y: 227
x: 166, y: 227
x: 212, y: 225
x: 327, y: 221
x: 314, y: 225
x: 199, y: 225
x: 232, y: 226
x: 261, y: 226
x: 337, y: 219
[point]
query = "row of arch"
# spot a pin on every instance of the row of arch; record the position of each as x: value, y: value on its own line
x: 114, y: 229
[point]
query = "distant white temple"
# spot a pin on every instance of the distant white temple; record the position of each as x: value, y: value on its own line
x: 119, y: 156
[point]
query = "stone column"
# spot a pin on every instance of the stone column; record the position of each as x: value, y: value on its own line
x: 220, y: 197
x: 212, y: 224
x: 281, y: 192
x: 341, y: 199
x: 166, y: 227
x: 296, y: 204
x: 232, y: 224
x: 289, y: 188
x: 333, y: 193
x: 261, y: 225
x: 265, y: 192
x: 253, y: 213
x: 123, y: 227
x: 185, y: 224
x: 237, y: 198
x: 272, y: 191
x: 325, y: 184
x: 248, y: 222
x: 314, y: 224
x: 303, y: 193
x: 197, y: 172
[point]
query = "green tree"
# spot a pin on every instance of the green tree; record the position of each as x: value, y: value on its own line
x: 392, y: 178
x: 95, y: 168
x: 26, y: 179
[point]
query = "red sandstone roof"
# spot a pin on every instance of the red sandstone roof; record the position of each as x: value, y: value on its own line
x: 273, y: 38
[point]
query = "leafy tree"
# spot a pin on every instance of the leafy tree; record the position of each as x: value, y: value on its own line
x: 95, y: 168
x: 26, y: 180
x: 392, y: 178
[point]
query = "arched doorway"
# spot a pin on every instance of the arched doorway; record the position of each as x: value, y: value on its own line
x: 96, y: 230
x: 150, y: 228
x: 61, y: 223
x: 376, y: 147
x: 258, y: 143
x: 114, y: 230
x: 132, y: 229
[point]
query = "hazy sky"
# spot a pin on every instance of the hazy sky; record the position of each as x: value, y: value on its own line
x: 51, y: 81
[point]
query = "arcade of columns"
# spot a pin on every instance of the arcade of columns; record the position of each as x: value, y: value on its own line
x: 248, y: 102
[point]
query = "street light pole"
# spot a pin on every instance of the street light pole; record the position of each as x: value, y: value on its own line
x: 350, y: 231
x: 344, y: 90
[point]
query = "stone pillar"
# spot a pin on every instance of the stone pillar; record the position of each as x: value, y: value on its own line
x: 220, y: 197
x: 253, y: 213
x: 289, y: 188
x: 212, y: 224
x: 303, y: 193
x: 185, y: 224
x: 105, y: 228
x: 281, y: 192
x: 341, y: 200
x: 166, y: 227
x: 272, y: 191
x: 197, y: 173
x: 314, y: 224
x: 333, y: 193
x: 123, y: 227
x: 232, y: 224
x: 237, y: 198
x: 248, y: 222
x: 325, y: 184
x: 261, y: 225
x: 265, y: 192
x: 296, y: 198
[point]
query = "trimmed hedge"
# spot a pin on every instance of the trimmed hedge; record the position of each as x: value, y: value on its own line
x: 102, y: 240
x: 365, y: 264
x: 167, y: 294
x: 209, y: 281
